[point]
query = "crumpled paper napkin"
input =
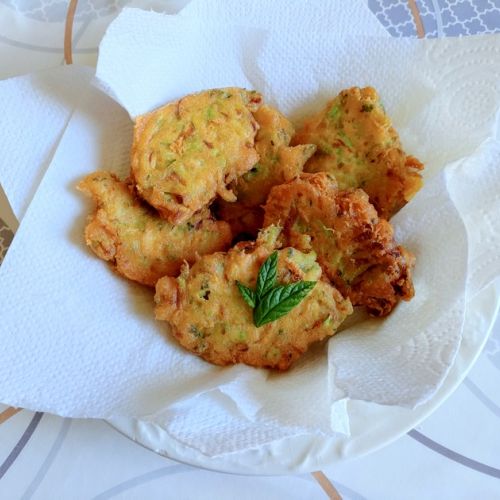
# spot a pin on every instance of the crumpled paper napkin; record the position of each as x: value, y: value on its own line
x: 333, y: 17
x: 81, y: 342
x: 36, y: 109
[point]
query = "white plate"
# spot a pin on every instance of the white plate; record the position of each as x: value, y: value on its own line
x: 372, y: 426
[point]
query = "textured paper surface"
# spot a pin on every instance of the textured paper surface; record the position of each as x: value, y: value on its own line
x: 402, y: 359
x: 115, y: 360
x: 480, y: 210
x: 224, y: 56
x: 35, y: 110
x: 333, y: 17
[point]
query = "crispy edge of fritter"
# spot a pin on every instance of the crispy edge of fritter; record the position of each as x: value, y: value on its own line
x: 398, y: 178
x: 175, y: 210
x: 245, y: 222
x: 355, y: 248
x: 276, y: 345
x: 279, y: 162
x: 103, y: 238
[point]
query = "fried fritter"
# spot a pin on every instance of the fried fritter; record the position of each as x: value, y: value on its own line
x: 357, y: 143
x: 355, y: 247
x: 138, y: 243
x: 209, y: 317
x: 278, y: 163
x: 187, y: 152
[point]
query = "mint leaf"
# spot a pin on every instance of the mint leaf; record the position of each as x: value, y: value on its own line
x: 247, y: 293
x: 270, y: 302
x: 267, y: 275
x: 279, y: 301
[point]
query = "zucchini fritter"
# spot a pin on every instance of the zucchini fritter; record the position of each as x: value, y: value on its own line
x: 187, y: 152
x: 278, y: 163
x: 358, y: 145
x: 355, y: 248
x: 140, y: 245
x: 209, y: 317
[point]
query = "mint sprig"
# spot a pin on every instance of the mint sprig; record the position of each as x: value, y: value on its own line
x: 270, y: 301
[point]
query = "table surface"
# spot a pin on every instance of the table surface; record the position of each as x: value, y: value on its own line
x: 452, y: 454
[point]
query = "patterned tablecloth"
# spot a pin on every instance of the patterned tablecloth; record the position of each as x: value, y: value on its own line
x: 453, y: 454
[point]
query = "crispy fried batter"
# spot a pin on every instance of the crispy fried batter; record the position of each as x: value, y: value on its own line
x: 357, y: 143
x: 245, y: 221
x: 278, y: 163
x: 355, y: 248
x: 209, y: 317
x: 187, y: 152
x: 140, y: 245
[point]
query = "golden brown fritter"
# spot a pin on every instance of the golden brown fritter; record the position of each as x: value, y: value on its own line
x: 278, y: 163
x: 209, y: 317
x: 355, y: 248
x: 136, y: 241
x: 358, y: 145
x: 187, y: 152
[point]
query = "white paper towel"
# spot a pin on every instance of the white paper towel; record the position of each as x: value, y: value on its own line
x: 401, y: 360
x: 222, y: 55
x: 60, y: 357
x: 331, y: 17
x: 35, y: 110
x: 480, y: 210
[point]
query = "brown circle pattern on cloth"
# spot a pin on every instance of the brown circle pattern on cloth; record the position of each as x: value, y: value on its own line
x: 6, y: 236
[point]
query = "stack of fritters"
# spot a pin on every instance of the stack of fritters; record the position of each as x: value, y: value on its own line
x: 183, y: 155
x: 221, y: 154
x: 355, y: 248
x: 278, y: 163
x: 142, y: 246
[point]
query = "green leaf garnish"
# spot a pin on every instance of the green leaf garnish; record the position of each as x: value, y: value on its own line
x: 270, y: 301
x: 267, y: 275
x: 247, y: 293
x: 280, y: 301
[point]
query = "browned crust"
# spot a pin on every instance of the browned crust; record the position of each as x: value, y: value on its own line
x: 187, y: 152
x: 209, y: 317
x: 355, y: 248
x: 359, y: 146
x: 137, y: 243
